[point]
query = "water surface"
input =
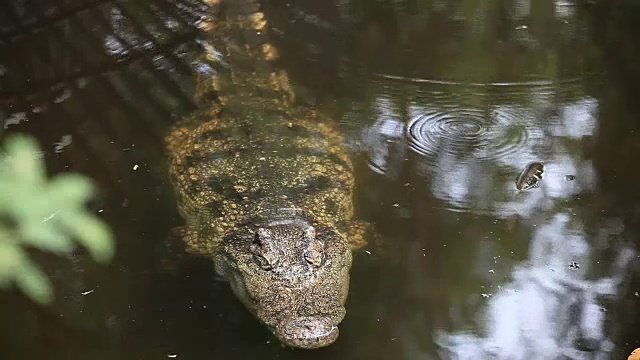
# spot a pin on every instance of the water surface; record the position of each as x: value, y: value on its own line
x: 442, y: 103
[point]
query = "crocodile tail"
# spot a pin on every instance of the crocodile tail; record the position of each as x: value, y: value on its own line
x: 237, y: 42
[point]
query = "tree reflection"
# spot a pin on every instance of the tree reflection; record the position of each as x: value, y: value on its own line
x: 456, y: 97
x: 550, y: 307
x: 511, y: 84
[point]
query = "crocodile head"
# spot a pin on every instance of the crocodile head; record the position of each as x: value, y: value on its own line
x: 292, y: 276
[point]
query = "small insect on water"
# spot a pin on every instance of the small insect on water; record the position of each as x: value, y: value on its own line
x: 530, y: 177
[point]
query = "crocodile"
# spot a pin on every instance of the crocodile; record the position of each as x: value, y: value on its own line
x: 265, y: 187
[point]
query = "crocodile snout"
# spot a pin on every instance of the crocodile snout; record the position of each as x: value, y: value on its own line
x: 307, y: 332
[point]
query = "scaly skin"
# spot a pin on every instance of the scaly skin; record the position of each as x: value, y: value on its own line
x: 266, y: 190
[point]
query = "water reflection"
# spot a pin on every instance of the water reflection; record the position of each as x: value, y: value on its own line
x: 470, y: 146
x: 552, y: 306
x: 456, y: 142
x: 451, y: 100
x: 384, y: 141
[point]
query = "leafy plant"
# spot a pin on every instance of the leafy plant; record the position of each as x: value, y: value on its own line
x: 42, y: 213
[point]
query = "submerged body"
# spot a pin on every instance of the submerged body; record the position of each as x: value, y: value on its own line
x: 266, y: 190
x: 270, y: 203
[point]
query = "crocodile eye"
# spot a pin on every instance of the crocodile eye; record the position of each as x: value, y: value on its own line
x: 261, y: 236
x: 313, y: 257
x: 263, y: 262
x: 259, y: 256
x: 313, y: 253
x: 259, y: 251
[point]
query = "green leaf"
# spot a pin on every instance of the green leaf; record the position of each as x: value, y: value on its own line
x: 34, y: 283
x: 11, y: 255
x: 28, y: 204
x: 15, y: 265
x: 91, y: 232
x: 21, y: 152
x: 45, y: 215
x: 46, y: 236
x: 71, y: 190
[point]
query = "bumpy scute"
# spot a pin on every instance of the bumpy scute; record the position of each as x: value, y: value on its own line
x: 266, y: 189
x: 266, y: 192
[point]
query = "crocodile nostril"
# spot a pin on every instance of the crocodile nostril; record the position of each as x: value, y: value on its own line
x: 307, y: 332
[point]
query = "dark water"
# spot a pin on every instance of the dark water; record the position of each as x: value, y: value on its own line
x: 443, y: 103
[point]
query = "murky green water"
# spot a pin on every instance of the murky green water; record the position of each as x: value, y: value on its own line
x: 443, y: 104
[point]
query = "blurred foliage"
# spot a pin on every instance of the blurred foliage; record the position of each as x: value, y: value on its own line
x: 45, y: 214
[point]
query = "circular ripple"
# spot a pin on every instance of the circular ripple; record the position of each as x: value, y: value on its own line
x: 489, y: 135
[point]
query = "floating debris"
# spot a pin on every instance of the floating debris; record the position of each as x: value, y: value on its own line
x: 135, y: 167
x: 15, y: 118
x: 64, y: 142
x: 368, y: 252
x: 569, y: 177
x: 172, y: 356
x: 64, y: 94
x: 530, y: 176
x: 85, y: 293
x: 50, y: 217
